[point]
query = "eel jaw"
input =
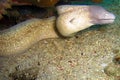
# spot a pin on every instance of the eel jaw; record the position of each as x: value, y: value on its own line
x: 106, y: 21
x: 102, y: 21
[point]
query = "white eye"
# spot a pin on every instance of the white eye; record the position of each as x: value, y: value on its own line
x: 106, y: 14
x: 109, y: 16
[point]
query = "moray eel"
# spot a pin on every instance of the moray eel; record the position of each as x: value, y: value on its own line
x: 71, y: 19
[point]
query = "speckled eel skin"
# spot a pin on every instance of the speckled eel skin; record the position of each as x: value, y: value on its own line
x: 71, y: 19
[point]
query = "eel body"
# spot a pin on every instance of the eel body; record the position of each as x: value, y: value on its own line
x: 20, y: 37
x: 71, y: 19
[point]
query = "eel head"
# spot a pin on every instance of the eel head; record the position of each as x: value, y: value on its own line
x: 74, y: 18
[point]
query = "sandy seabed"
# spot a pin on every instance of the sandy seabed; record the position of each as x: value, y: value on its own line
x: 93, y: 54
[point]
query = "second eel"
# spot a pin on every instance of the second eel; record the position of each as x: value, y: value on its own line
x: 71, y: 19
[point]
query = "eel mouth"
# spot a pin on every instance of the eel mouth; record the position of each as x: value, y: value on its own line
x: 105, y: 21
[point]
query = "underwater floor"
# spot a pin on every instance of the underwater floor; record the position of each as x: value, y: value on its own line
x: 93, y: 54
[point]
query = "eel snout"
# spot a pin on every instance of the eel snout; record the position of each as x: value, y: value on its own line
x: 101, y: 16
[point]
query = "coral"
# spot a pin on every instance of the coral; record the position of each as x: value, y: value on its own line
x: 97, y: 1
x: 40, y: 3
x: 4, y: 4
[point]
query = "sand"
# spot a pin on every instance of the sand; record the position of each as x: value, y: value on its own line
x: 93, y: 54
